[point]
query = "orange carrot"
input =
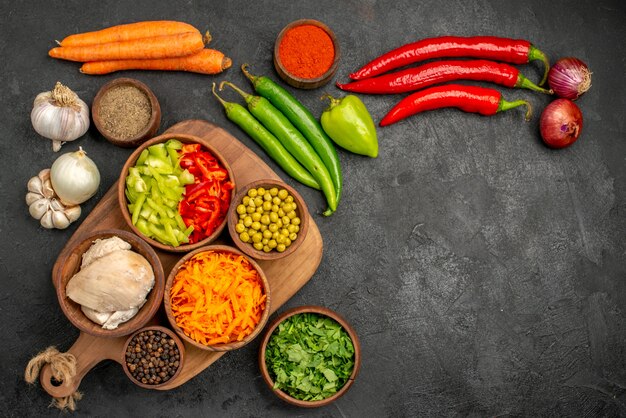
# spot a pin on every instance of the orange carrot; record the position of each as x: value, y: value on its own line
x: 217, y: 298
x: 128, y: 32
x: 207, y: 61
x: 147, y: 48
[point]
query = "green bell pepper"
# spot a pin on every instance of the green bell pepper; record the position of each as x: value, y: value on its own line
x: 349, y: 124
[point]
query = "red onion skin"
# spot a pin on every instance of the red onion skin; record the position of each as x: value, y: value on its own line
x: 561, y: 123
x: 569, y: 78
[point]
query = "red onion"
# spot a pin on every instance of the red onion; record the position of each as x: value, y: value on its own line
x: 561, y: 123
x: 569, y: 78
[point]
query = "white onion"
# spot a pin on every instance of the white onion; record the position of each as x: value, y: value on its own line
x: 75, y: 177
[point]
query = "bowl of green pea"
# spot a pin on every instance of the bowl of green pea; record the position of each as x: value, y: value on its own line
x: 268, y: 219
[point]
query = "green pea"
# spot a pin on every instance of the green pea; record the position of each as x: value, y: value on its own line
x: 267, y: 234
x: 287, y: 207
x: 259, y: 209
x: 275, y: 235
x: 263, y: 228
x: 256, y: 225
x: 292, y: 214
x: 289, y: 199
x: 274, y: 191
x: 272, y: 227
x: 285, y: 220
x: 265, y: 219
x: 282, y: 194
x: 296, y: 221
x: 267, y: 206
x: 244, y: 236
x: 275, y: 208
x: 293, y: 236
x: 241, y: 209
x: 260, y: 191
x: 292, y: 228
x: 252, y: 193
x: 247, y: 221
x: 281, y: 212
x: 281, y: 248
x: 256, y: 217
x: 258, y: 246
x: 266, y: 248
x: 279, y: 224
x: 258, y: 237
x: 284, y: 232
x: 246, y: 200
x: 250, y: 209
x: 287, y: 242
x: 280, y: 239
x: 273, y: 217
x: 240, y: 228
x: 276, y: 200
x: 272, y: 243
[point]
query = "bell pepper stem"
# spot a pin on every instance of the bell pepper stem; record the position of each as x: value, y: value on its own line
x: 333, y: 102
x: 537, y: 54
x: 525, y: 83
x: 505, y: 105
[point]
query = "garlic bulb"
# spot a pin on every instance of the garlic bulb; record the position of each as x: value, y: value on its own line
x: 44, y: 204
x: 60, y: 115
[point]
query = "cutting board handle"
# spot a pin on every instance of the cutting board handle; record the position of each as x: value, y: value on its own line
x: 88, y: 351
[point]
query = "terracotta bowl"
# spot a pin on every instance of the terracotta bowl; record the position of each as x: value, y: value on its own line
x: 70, y: 266
x: 181, y: 351
x: 306, y: 83
x: 130, y: 162
x: 301, y: 211
x: 148, y: 132
x: 321, y: 311
x: 217, y: 347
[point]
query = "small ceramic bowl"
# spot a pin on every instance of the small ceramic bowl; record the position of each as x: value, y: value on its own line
x: 123, y: 202
x: 301, y: 211
x: 320, y: 311
x: 181, y: 353
x: 306, y: 83
x: 71, y: 265
x: 225, y: 346
x: 99, y: 118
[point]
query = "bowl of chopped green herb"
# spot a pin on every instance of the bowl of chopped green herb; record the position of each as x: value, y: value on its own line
x: 309, y: 356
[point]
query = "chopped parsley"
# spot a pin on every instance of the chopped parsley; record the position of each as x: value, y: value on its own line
x: 309, y: 356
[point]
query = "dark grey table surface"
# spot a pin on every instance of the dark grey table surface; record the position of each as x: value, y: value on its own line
x: 483, y: 272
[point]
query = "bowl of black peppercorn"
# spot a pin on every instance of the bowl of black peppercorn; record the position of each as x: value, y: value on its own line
x: 153, y: 357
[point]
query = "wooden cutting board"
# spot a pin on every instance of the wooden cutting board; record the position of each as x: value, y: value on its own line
x: 286, y: 276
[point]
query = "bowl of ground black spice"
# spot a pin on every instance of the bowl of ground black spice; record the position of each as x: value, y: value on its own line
x: 306, y: 54
x: 126, y: 112
x: 153, y: 356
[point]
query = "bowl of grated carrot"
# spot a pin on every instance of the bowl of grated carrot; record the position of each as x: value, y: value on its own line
x: 217, y: 298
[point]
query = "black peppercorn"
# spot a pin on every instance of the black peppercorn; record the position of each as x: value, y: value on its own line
x: 152, y: 357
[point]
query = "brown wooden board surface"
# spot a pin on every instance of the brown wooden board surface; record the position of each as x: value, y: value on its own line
x: 286, y: 276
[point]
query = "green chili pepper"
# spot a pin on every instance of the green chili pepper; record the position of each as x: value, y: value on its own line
x: 304, y: 121
x: 350, y: 125
x: 292, y: 139
x: 266, y: 140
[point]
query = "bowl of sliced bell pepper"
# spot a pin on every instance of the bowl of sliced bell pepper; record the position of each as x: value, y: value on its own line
x: 175, y: 190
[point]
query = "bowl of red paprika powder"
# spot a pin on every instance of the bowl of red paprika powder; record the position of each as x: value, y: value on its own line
x: 306, y: 54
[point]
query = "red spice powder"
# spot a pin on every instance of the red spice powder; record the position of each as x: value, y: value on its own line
x: 306, y: 51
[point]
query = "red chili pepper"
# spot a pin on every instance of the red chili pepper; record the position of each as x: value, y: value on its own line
x: 514, y: 51
x: 206, y: 201
x: 471, y: 99
x: 439, y: 72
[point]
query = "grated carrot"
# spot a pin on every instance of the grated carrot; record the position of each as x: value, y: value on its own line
x: 217, y: 297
